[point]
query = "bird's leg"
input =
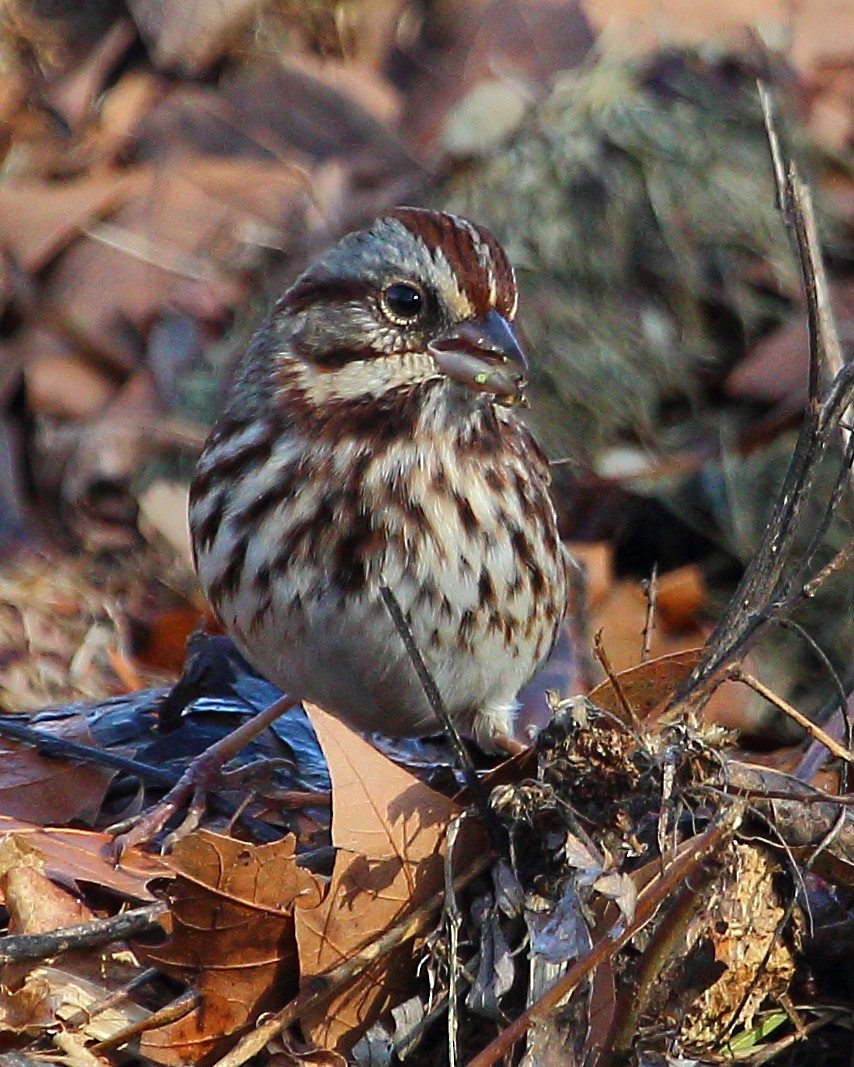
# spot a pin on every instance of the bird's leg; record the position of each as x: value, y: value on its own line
x: 509, y: 745
x: 202, y: 775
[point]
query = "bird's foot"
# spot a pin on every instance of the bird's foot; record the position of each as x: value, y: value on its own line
x: 202, y: 776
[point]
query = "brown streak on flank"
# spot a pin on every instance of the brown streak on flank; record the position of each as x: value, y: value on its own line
x: 538, y: 582
x: 295, y: 538
x: 485, y: 590
x: 204, y: 533
x: 262, y: 584
x: 227, y: 583
x: 284, y: 489
x: 466, y: 514
x: 231, y: 468
x: 495, y: 622
x: 354, y: 553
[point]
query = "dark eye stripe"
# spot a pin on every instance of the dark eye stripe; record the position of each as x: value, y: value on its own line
x: 307, y: 291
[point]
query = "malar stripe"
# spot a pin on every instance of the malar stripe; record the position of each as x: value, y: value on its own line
x: 335, y: 358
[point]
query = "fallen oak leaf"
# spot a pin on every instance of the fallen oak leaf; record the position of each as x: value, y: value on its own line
x: 646, y: 686
x: 232, y: 939
x: 389, y: 830
x: 72, y: 856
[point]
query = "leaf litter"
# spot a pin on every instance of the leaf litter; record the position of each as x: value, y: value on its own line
x: 661, y: 887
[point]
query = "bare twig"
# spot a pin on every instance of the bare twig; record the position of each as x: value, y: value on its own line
x: 630, y: 719
x: 826, y: 336
x: 736, y: 674
x: 841, y: 559
x: 112, y: 1000
x: 62, y: 748
x: 169, y: 1013
x: 702, y: 848
x: 453, y: 922
x: 650, y: 589
x: 437, y: 706
x: 773, y: 582
x: 22, y: 947
x: 633, y: 996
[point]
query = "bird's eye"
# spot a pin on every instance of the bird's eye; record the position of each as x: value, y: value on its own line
x: 403, y: 303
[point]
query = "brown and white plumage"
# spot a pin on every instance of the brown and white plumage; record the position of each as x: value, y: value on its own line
x: 370, y: 438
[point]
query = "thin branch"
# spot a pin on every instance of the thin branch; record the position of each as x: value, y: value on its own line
x: 650, y: 589
x: 736, y: 674
x: 60, y: 747
x: 453, y: 922
x: 823, y: 332
x: 841, y: 559
x: 766, y: 590
x: 173, y: 1011
x: 22, y: 947
x: 112, y: 1000
x: 701, y: 849
x: 631, y: 719
x: 437, y: 706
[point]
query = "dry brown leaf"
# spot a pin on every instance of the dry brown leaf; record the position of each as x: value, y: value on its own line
x: 681, y: 595
x: 232, y: 938
x: 196, y: 221
x: 29, y: 1010
x: 35, y: 905
x: 163, y: 513
x: 388, y: 828
x: 38, y: 219
x: 71, y: 993
x: 72, y: 856
x: 648, y: 684
x: 354, y: 81
x: 775, y: 370
x: 189, y: 36
x: 59, y: 382
x: 75, y: 94
x: 47, y: 791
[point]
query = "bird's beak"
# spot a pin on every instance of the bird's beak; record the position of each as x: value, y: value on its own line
x: 484, y: 355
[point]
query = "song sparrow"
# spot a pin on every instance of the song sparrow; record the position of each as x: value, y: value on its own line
x: 370, y: 438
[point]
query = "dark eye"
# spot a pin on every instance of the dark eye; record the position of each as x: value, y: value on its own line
x: 403, y: 302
